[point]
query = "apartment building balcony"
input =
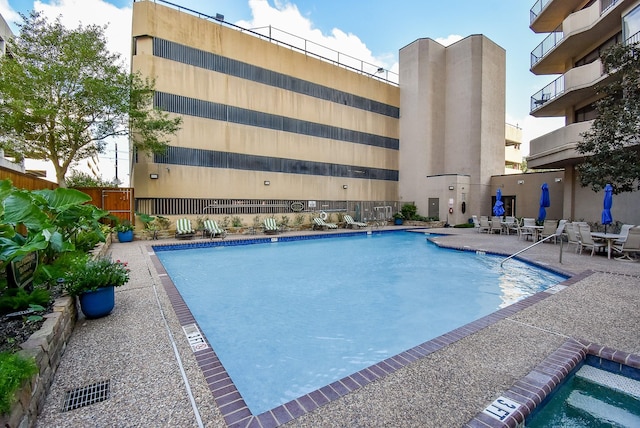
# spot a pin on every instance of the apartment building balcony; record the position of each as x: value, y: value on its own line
x: 568, y: 90
x: 557, y: 149
x: 512, y: 155
x: 578, y: 33
x: 547, y: 15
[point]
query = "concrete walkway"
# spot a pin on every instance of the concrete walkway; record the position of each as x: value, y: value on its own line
x: 155, y: 380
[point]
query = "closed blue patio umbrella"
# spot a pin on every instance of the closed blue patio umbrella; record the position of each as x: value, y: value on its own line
x: 608, y: 203
x: 498, y: 208
x: 545, y: 202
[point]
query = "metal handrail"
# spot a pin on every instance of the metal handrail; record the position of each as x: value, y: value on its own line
x: 533, y: 245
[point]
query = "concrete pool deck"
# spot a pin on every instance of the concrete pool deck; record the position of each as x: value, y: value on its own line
x: 156, y: 379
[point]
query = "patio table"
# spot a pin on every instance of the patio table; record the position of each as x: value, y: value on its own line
x: 609, y: 237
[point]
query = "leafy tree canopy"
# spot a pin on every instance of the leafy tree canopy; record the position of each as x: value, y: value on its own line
x: 62, y: 93
x: 611, y: 145
x: 82, y: 179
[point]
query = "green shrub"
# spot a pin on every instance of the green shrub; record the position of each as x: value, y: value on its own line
x: 464, y: 225
x: 18, y: 299
x: 409, y: 211
x: 14, y: 370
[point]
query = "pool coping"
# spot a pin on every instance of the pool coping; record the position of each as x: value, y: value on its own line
x: 229, y: 400
x: 532, y: 390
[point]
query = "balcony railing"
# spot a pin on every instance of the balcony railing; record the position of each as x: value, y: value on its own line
x: 605, y: 5
x: 537, y: 8
x: 553, y: 39
x: 633, y: 39
x: 547, y: 93
x: 550, y: 42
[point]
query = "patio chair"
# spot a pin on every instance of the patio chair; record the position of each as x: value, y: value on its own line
x: 631, y: 245
x: 212, y: 229
x: 320, y: 224
x: 586, y: 240
x: 572, y: 235
x: 184, y: 229
x: 549, y: 228
x: 509, y: 224
x: 350, y: 222
x: 624, y: 232
x: 484, y: 224
x: 496, y: 224
x: 270, y: 226
x: 476, y: 223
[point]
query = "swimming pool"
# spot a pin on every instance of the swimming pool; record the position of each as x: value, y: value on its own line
x: 290, y: 317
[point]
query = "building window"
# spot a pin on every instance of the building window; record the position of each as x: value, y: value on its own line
x: 586, y: 113
x: 631, y: 23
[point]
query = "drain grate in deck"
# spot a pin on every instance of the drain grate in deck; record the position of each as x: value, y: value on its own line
x: 86, y: 395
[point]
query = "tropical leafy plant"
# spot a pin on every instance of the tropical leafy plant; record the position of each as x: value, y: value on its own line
x: 52, y: 220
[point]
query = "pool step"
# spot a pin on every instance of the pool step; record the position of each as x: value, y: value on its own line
x: 602, y: 411
x: 609, y: 380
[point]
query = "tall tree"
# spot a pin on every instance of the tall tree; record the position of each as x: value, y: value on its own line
x: 612, y: 146
x: 62, y: 94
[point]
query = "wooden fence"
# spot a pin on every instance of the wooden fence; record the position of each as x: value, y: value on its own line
x: 118, y: 201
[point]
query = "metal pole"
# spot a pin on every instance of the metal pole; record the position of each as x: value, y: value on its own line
x: 561, y: 242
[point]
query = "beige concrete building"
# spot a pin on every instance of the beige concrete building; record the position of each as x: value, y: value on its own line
x: 579, y: 30
x: 271, y: 129
x: 512, y: 152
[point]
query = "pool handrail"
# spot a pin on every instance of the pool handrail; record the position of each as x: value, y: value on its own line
x: 555, y: 235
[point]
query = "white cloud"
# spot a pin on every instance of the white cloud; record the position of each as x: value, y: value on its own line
x: 449, y: 40
x: 7, y: 12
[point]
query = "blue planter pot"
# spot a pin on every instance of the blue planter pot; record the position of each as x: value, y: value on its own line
x: 125, y: 236
x: 99, y: 303
x: 398, y: 221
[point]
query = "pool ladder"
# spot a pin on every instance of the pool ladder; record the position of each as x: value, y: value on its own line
x: 555, y: 235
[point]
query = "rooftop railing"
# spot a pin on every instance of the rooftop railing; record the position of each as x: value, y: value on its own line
x: 293, y: 42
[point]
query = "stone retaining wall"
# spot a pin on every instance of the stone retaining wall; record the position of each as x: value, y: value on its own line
x: 46, y: 346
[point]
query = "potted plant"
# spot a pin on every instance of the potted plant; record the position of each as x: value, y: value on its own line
x: 93, y: 281
x: 125, y: 231
x: 398, y: 218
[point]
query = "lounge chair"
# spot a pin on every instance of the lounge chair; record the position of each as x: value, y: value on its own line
x: 350, y: 222
x: 586, y: 240
x: 212, y: 229
x: 320, y: 224
x: 184, y: 229
x: 631, y: 245
x: 270, y: 226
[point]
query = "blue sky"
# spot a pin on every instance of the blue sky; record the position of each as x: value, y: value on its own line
x: 371, y: 30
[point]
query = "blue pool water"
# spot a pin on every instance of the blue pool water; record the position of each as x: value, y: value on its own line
x: 287, y: 318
